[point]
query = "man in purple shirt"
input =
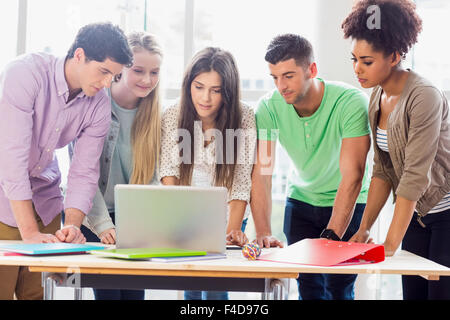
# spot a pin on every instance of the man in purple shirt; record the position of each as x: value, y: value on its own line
x: 45, y: 103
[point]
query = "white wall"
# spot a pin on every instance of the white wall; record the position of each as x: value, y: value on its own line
x: 332, y: 50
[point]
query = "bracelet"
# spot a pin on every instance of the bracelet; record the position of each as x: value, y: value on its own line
x: 70, y: 226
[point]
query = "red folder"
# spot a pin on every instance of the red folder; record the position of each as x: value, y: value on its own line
x: 324, y: 252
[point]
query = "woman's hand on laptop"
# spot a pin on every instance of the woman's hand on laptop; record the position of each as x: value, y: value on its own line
x: 236, y: 237
x: 108, y: 236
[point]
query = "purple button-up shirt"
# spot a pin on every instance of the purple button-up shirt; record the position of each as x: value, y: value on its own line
x: 35, y: 119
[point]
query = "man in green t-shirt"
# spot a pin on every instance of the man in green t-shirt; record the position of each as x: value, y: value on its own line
x: 324, y: 128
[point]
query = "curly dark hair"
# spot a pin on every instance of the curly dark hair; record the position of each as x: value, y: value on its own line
x: 102, y: 40
x: 399, y: 25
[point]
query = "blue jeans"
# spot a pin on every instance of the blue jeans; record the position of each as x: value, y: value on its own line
x: 111, y: 294
x: 301, y: 221
x: 210, y: 295
x: 433, y: 243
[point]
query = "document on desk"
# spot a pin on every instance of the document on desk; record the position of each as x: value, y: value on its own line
x: 324, y: 252
x: 208, y: 256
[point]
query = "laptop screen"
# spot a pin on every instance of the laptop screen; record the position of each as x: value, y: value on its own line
x: 182, y: 217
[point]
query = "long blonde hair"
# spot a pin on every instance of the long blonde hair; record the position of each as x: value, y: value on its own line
x: 146, y: 128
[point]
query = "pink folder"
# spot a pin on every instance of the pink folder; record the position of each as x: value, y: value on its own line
x: 324, y: 252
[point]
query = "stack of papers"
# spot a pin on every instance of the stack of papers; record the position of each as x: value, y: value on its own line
x: 208, y: 256
x: 39, y: 249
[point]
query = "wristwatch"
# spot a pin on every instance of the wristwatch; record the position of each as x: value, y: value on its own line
x: 329, y: 234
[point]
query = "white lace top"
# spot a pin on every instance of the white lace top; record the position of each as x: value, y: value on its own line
x: 205, y: 157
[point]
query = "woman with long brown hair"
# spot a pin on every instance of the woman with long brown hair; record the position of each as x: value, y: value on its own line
x: 132, y: 147
x: 208, y: 138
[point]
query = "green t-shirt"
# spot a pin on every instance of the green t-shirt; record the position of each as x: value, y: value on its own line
x: 314, y: 143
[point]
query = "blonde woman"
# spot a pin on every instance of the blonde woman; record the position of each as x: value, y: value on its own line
x: 131, y: 149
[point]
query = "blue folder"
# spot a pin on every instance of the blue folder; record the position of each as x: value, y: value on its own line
x: 49, y: 248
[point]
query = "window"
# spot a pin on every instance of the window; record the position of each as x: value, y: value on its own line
x: 8, y: 21
x: 245, y: 28
x: 70, y: 15
x: 431, y: 52
x: 167, y: 22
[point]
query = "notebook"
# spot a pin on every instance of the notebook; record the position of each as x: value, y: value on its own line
x: 184, y: 217
x: 208, y: 256
x: 48, y: 248
x: 145, y: 253
x: 324, y: 252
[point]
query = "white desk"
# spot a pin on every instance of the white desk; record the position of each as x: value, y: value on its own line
x: 234, y: 273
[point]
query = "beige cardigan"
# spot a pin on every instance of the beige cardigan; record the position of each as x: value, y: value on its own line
x: 418, y: 134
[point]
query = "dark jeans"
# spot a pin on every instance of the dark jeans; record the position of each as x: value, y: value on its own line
x: 210, y: 295
x: 433, y: 243
x: 302, y: 221
x: 111, y: 294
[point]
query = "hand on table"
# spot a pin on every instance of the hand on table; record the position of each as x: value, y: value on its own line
x: 267, y: 241
x: 361, y: 236
x: 108, y: 236
x: 236, y: 237
x: 38, y: 237
x: 389, y: 249
x: 70, y: 234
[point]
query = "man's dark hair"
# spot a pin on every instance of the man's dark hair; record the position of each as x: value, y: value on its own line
x: 399, y: 25
x: 290, y: 46
x: 101, y: 41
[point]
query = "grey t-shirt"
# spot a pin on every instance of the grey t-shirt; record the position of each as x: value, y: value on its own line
x: 122, y: 160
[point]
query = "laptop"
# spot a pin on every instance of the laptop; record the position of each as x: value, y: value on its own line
x: 183, y: 217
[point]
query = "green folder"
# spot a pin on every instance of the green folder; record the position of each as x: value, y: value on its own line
x: 145, y: 253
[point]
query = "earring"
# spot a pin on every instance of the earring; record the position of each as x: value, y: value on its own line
x: 117, y: 77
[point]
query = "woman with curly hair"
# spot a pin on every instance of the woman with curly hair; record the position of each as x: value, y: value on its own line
x: 410, y: 126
